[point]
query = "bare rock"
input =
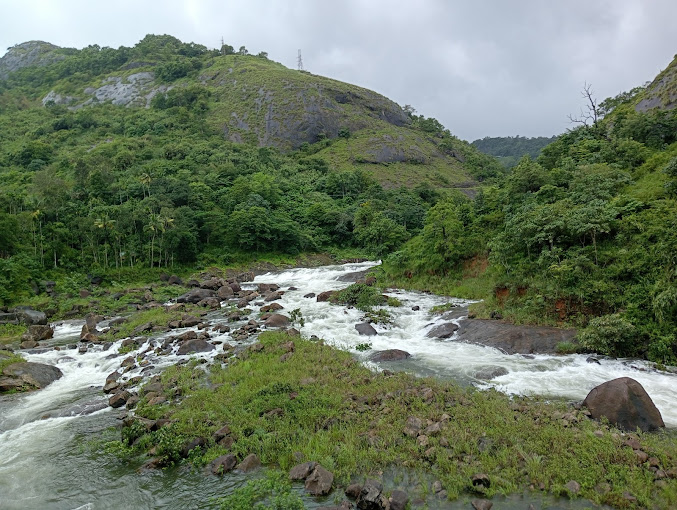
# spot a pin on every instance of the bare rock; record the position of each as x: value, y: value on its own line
x: 364, y: 328
x: 277, y: 321
x: 319, y: 482
x: 223, y: 464
x: 445, y: 330
x: 249, y: 463
x: 481, y: 504
x: 389, y: 355
x: 325, y: 296
x: 193, y: 346
x: 302, y: 471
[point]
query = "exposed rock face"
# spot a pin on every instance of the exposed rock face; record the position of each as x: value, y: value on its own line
x: 28, y: 375
x: 31, y: 53
x: 389, y: 355
x: 625, y: 403
x: 514, y: 339
x: 364, y: 328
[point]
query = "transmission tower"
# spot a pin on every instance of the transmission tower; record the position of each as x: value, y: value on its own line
x: 222, y: 44
x: 299, y: 61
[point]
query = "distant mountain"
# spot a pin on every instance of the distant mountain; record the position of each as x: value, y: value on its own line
x: 509, y: 149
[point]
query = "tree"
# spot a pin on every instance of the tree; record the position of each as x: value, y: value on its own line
x: 592, y: 113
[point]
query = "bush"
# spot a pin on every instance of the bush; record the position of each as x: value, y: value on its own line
x: 360, y: 296
x: 610, y: 334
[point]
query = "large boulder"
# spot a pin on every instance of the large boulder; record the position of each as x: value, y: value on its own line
x: 625, y: 403
x: 319, y: 482
x: 29, y: 374
x: 193, y: 346
x: 38, y: 332
x: 445, y: 330
x: 277, y: 321
x: 389, y: 355
x: 29, y: 316
x: 325, y: 296
x: 196, y: 295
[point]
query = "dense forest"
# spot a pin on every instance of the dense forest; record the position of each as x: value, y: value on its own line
x: 103, y: 187
x: 584, y: 234
x: 510, y: 149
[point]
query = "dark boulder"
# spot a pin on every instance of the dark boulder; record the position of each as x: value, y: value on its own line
x: 488, y: 373
x: 319, y: 482
x: 325, y: 296
x: 33, y: 375
x: 364, y: 328
x: 277, y: 321
x: 119, y: 399
x: 29, y: 316
x: 225, y: 292
x: 445, y: 330
x: 371, y: 497
x: 249, y: 463
x: 195, y: 295
x: 174, y: 280
x: 193, y: 346
x: 625, y: 403
x: 310, y: 295
x: 389, y: 355
x: 223, y: 464
x: 40, y: 332
x: 302, y: 471
x: 398, y: 500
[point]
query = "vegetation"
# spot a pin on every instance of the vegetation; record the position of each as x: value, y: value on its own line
x: 510, y: 149
x: 332, y: 410
x: 584, y: 235
x: 7, y: 358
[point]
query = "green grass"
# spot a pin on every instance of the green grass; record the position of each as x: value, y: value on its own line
x: 7, y: 358
x: 352, y: 420
x: 10, y: 333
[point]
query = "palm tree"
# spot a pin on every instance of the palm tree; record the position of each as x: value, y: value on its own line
x: 107, y: 225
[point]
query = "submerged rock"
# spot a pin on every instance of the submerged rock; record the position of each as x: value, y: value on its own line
x: 625, y: 403
x: 445, y: 330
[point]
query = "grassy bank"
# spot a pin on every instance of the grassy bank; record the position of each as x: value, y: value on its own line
x: 320, y: 404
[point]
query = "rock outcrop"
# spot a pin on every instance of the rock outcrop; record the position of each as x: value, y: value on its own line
x: 28, y: 375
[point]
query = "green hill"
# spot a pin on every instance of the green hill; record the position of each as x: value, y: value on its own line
x: 169, y: 153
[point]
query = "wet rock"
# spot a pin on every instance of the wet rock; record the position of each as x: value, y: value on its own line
x: 319, y: 482
x: 40, y: 332
x: 193, y: 346
x: 389, y: 355
x: 28, y: 344
x: 187, y: 335
x: 445, y: 330
x: 272, y: 307
x: 625, y: 403
x: 235, y: 286
x: 249, y: 463
x: 110, y: 386
x: 192, y: 444
x: 302, y: 471
x: 119, y: 399
x: 277, y: 321
x: 415, y: 308
x: 189, y: 321
x: 353, y: 490
x: 514, y: 339
x: 29, y: 375
x: 481, y: 504
x: 592, y: 359
x: 174, y: 280
x: 489, y: 373
x: 223, y: 464
x: 310, y: 295
x: 398, y: 500
x: 273, y: 296
x: 212, y: 284
x: 371, y: 497
x: 211, y: 302
x: 225, y: 292
x: 196, y: 295
x: 364, y: 328
x: 325, y: 296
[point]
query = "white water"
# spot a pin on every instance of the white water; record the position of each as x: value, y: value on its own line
x: 41, y: 464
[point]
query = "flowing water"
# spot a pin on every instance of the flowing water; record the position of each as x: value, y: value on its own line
x: 46, y: 460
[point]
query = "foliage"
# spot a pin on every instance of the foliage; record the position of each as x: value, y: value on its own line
x: 363, y: 347
x: 274, y: 491
x: 359, y: 295
x: 7, y: 358
x: 610, y: 334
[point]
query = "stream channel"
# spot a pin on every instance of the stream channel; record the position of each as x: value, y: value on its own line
x: 46, y: 461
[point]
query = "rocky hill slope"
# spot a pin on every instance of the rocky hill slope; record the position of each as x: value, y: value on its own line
x: 661, y: 93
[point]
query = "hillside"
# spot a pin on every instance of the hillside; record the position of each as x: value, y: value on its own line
x: 168, y: 154
x: 583, y: 235
x: 248, y: 99
x: 661, y: 93
x: 509, y: 149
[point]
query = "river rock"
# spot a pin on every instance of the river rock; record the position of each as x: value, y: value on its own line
x: 272, y: 307
x: 389, y: 355
x: 398, y: 500
x: 310, y: 295
x: 223, y: 464
x: 40, y: 332
x: 225, y: 292
x: 302, y: 471
x: 195, y: 295
x: 325, y: 296
x: 625, y: 403
x: 119, y: 399
x: 483, y: 504
x: 445, y: 330
x: 267, y: 287
x: 29, y: 316
x: 193, y: 346
x: 34, y: 375
x: 274, y: 296
x: 29, y: 343
x: 364, y: 328
x: 371, y: 496
x: 249, y: 463
x: 277, y: 321
x: 513, y: 339
x: 319, y: 482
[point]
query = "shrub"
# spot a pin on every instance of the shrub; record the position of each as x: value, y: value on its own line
x: 610, y: 334
x: 360, y: 296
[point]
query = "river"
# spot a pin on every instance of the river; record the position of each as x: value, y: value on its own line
x: 46, y: 457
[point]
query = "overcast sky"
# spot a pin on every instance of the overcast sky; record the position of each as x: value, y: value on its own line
x: 482, y: 68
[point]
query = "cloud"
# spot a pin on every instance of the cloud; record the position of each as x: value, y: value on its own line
x: 481, y: 68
